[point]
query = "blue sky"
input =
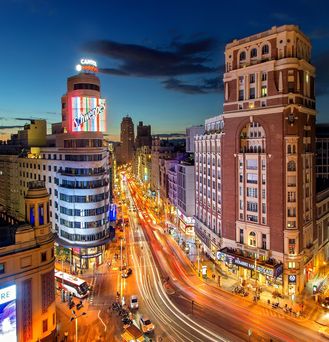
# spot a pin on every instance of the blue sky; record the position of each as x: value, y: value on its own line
x: 179, y: 84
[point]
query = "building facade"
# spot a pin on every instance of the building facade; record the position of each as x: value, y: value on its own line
x: 255, y: 180
x: 75, y: 168
x: 27, y: 288
x: 127, y: 140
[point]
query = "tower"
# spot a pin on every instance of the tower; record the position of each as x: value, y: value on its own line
x: 127, y: 139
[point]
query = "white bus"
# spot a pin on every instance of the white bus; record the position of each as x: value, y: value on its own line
x: 78, y: 287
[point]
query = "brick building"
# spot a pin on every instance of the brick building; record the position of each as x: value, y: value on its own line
x: 255, y: 180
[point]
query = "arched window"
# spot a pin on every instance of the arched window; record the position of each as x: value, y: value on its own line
x: 253, y: 53
x: 252, y: 239
x: 242, y: 56
x: 265, y: 49
x: 291, y: 166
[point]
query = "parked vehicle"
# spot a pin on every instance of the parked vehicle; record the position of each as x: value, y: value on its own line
x: 146, y: 325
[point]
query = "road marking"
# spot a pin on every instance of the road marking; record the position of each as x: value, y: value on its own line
x: 102, y: 320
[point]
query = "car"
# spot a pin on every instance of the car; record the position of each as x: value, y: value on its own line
x: 325, y: 303
x: 133, y: 302
x: 146, y: 324
x: 127, y: 273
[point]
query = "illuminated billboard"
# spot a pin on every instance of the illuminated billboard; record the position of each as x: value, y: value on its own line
x: 8, y: 314
x: 88, y: 114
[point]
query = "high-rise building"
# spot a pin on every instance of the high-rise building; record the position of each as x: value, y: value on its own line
x: 75, y: 168
x: 255, y: 180
x: 127, y: 140
x: 27, y: 289
x: 143, y: 137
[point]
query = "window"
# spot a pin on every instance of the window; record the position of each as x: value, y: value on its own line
x: 242, y: 56
x: 49, y: 179
x: 263, y: 241
x: 241, y: 95
x: 291, y: 166
x: 265, y: 49
x: 252, y: 93
x: 253, y: 53
x: 263, y: 208
x: 252, y: 78
x: 252, y: 178
x: 291, y: 264
x: 264, y: 76
x: 241, y: 235
x: 252, y: 239
x: 252, y: 206
x: 264, y: 91
x: 2, y: 268
x: 43, y: 256
x: 292, y: 246
x: 252, y: 192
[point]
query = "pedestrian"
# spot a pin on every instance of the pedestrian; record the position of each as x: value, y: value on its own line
x: 66, y: 334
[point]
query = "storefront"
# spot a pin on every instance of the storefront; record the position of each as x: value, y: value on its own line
x: 185, y: 224
x: 87, y: 258
x: 246, y: 267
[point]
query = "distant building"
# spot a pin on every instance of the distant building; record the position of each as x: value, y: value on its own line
x: 181, y: 193
x: 142, y: 164
x: 191, y: 133
x: 27, y: 261
x: 143, y: 137
x: 127, y: 140
x: 33, y: 134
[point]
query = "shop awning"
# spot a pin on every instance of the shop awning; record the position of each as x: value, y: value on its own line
x: 240, y: 258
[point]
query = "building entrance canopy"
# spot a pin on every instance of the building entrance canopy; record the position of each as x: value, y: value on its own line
x: 237, y: 258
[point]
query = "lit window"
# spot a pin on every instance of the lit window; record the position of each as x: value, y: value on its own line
x: 264, y: 91
x: 252, y: 239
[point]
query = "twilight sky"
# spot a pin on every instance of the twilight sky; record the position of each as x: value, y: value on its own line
x: 161, y: 61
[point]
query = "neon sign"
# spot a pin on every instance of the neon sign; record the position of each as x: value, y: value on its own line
x: 87, y: 65
x: 88, y: 114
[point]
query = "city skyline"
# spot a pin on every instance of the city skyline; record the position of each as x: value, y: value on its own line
x: 175, y: 60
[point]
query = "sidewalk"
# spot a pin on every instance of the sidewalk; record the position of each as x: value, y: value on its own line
x: 301, y: 309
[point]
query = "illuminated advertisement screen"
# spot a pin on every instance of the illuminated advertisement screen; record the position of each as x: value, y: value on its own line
x: 88, y: 114
x: 113, y: 212
x: 8, y: 314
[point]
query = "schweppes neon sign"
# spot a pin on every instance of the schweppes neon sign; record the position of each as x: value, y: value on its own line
x: 88, y: 116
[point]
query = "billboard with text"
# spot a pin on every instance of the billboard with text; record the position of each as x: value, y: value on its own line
x: 88, y: 114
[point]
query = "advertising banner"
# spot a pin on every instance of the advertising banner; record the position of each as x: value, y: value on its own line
x: 88, y: 114
x: 8, y: 314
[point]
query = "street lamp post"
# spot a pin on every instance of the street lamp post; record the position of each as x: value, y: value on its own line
x: 75, y: 317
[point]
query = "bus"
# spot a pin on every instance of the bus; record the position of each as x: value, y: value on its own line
x: 78, y: 287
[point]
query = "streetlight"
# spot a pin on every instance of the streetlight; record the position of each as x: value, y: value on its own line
x: 75, y: 317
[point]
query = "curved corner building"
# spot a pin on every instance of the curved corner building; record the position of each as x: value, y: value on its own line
x: 82, y: 197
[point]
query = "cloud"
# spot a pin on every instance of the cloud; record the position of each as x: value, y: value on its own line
x: 179, y: 59
x: 23, y: 119
x: 322, y: 73
x: 205, y: 87
x: 11, y: 126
